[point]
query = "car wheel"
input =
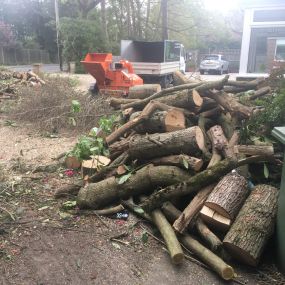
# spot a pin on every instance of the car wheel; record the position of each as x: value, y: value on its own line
x: 202, y: 72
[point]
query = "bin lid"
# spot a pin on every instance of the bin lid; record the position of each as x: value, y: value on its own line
x: 279, y: 133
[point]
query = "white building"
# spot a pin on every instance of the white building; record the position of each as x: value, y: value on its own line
x: 263, y: 41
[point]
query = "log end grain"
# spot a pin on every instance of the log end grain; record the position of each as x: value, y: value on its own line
x: 200, y: 139
x: 174, y: 120
x: 197, y: 99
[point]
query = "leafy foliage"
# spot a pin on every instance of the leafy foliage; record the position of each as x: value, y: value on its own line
x: 94, y: 144
x: 273, y: 115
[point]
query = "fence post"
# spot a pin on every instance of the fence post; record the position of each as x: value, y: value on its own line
x: 2, y: 56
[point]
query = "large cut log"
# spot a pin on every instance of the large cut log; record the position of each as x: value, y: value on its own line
x: 186, y: 219
x: 197, y: 182
x: 161, y: 121
x: 199, y: 87
x: 190, y: 185
x: 246, y: 84
x: 229, y: 195
x: 180, y: 160
x: 253, y: 226
x: 205, y: 255
x: 260, y: 92
x: 189, y: 141
x: 172, y: 244
x: 179, y: 78
x: 254, y: 149
x: 117, y: 102
x: 100, y: 194
x: 143, y: 91
x: 189, y: 99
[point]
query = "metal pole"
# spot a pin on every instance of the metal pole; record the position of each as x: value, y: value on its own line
x: 164, y: 10
x: 57, y: 24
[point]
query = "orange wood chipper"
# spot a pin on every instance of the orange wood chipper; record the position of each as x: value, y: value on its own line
x: 111, y: 78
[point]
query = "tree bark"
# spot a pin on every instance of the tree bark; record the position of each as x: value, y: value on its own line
x: 141, y: 104
x: 253, y: 226
x: 232, y: 105
x: 179, y: 78
x: 143, y: 91
x: 179, y: 160
x: 117, y: 102
x: 103, y: 193
x: 161, y: 121
x: 189, y: 141
x: 205, y: 255
x: 260, y: 92
x: 183, y: 99
x: 213, y: 242
x: 228, y: 196
x: 185, y: 220
x: 190, y: 185
x: 173, y: 245
x: 254, y: 150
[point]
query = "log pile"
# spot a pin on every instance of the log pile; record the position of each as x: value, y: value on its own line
x: 10, y: 82
x: 182, y: 146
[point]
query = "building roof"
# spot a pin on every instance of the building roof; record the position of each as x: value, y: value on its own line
x: 261, y: 3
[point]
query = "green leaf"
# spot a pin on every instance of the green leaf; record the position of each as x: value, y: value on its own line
x: 69, y: 204
x: 144, y: 237
x: 124, y: 178
x: 265, y: 171
x: 75, y: 106
x: 138, y: 210
x: 185, y: 163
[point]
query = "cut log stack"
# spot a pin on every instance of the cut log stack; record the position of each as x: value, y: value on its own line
x: 10, y: 82
x: 181, y: 146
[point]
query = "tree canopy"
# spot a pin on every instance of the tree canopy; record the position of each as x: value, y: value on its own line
x: 99, y: 25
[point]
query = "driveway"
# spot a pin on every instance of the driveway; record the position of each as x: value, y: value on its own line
x: 47, y: 68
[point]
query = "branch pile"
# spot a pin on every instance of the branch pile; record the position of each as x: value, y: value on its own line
x: 181, y: 146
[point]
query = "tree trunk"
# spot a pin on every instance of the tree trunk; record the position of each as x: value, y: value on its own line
x: 183, y: 99
x: 189, y: 141
x: 254, y: 150
x: 228, y: 196
x: 141, y: 104
x: 103, y: 193
x: 161, y: 121
x: 143, y: 91
x: 179, y: 78
x: 205, y: 255
x: 172, y: 244
x: 185, y: 220
x: 190, y: 185
x: 260, y: 92
x: 253, y: 226
x: 180, y: 160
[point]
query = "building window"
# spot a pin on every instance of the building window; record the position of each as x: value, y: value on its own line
x: 269, y: 15
x: 280, y: 50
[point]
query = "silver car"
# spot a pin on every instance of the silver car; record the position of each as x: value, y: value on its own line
x: 214, y: 63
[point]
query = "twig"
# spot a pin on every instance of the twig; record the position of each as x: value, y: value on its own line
x: 101, y: 220
x: 9, y: 213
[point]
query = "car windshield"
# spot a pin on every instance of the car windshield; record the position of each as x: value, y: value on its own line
x: 211, y: 57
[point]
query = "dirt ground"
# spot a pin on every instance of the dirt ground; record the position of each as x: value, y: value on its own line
x: 42, y: 243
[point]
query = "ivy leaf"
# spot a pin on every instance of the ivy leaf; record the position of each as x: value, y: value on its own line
x: 69, y: 204
x: 124, y: 178
x: 185, y: 163
x: 138, y: 210
x: 115, y: 245
x: 144, y: 237
x: 265, y: 171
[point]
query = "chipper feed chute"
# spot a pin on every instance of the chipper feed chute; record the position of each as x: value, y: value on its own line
x: 111, y: 78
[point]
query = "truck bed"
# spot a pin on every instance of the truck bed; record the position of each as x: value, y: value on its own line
x: 153, y: 68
